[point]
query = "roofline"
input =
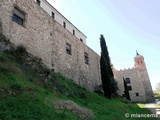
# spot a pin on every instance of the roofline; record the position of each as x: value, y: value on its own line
x: 64, y: 17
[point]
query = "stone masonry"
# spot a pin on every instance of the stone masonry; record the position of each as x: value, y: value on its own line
x: 141, y: 90
x: 45, y: 38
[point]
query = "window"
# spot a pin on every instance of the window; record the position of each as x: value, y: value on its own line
x: 86, y: 58
x: 68, y: 48
x: 129, y: 88
x: 81, y: 40
x: 18, y: 16
x: 38, y: 2
x: 73, y: 32
x: 137, y: 94
x: 64, y: 24
x: 128, y: 80
x: 123, y: 95
x: 53, y: 15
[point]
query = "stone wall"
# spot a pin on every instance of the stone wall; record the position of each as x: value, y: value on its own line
x: 35, y: 34
x: 45, y: 38
x: 135, y: 83
x: 139, y: 81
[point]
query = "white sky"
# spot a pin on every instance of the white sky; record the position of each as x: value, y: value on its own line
x: 127, y: 25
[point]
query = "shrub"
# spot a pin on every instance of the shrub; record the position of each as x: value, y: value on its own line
x: 16, y: 87
x: 20, y: 49
x: 5, y: 70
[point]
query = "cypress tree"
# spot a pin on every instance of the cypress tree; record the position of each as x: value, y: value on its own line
x: 104, y: 50
x: 112, y: 85
x: 105, y: 77
x: 126, y: 92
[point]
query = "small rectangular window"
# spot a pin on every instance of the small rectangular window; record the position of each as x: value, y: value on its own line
x: 128, y: 80
x: 129, y: 88
x: 53, y: 15
x: 86, y: 58
x: 68, y: 48
x: 38, y: 2
x: 73, y: 32
x: 18, y: 16
x: 81, y: 40
x: 137, y: 94
x: 64, y: 24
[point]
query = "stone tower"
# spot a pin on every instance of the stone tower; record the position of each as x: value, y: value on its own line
x: 143, y: 75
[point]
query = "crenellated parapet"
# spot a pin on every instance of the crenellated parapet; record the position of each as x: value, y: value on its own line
x: 128, y: 69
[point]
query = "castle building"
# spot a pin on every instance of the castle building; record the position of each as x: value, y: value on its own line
x: 47, y: 34
x: 137, y: 80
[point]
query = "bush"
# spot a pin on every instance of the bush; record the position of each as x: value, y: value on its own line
x: 17, y: 87
x: 20, y: 49
x: 4, y: 69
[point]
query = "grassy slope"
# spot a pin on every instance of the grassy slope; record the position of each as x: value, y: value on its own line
x: 25, y: 95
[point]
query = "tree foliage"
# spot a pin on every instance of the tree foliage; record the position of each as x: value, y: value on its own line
x: 114, y: 87
x: 105, y: 77
x: 105, y: 52
x: 109, y: 84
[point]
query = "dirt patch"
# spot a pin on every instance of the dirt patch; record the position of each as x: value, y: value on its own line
x: 83, y: 113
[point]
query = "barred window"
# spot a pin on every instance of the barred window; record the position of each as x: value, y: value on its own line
x: 68, y: 48
x: 53, y: 15
x: 86, y: 58
x: 128, y: 80
x: 64, y: 24
x: 137, y: 94
x: 18, y: 16
x: 73, y: 32
x: 129, y: 88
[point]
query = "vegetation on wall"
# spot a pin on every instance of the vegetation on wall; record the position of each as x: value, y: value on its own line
x: 109, y: 84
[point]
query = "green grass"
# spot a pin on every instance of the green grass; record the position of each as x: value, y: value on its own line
x: 25, y: 95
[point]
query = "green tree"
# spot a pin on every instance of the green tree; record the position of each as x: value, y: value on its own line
x: 105, y: 77
x: 114, y: 86
x: 126, y: 92
x: 110, y: 81
x: 104, y: 50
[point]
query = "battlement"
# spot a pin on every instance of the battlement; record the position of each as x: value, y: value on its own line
x: 128, y: 69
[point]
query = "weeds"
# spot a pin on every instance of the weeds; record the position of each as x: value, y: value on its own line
x: 20, y: 49
x: 16, y: 87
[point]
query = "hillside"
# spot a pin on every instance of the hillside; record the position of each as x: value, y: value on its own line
x: 30, y: 91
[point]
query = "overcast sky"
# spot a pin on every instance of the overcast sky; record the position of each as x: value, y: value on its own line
x: 127, y: 25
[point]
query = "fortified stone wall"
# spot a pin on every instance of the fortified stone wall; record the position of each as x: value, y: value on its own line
x: 146, y: 84
x: 73, y: 65
x: 141, y: 90
x: 45, y: 38
x: 35, y: 34
x: 135, y: 83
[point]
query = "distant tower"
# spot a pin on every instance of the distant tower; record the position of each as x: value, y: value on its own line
x: 139, y: 61
x: 143, y: 76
